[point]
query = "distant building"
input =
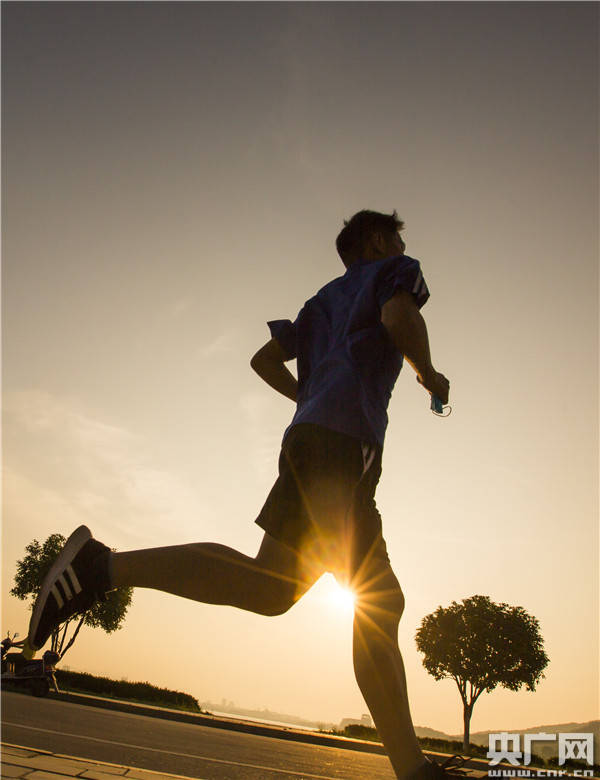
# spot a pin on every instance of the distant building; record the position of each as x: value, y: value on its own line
x: 365, y: 720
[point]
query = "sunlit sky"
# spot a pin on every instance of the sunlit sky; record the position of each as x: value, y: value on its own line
x: 175, y: 175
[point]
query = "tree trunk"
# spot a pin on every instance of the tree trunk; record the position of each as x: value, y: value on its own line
x: 73, y: 638
x: 467, y: 712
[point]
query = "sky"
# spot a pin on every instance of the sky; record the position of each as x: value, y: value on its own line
x: 175, y: 175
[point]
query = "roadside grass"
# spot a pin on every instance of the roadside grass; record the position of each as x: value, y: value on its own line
x: 140, y: 692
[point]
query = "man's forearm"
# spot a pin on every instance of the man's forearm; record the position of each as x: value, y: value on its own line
x: 410, y: 337
x: 408, y: 332
x: 277, y: 376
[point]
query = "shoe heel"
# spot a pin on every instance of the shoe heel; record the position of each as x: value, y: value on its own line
x: 28, y: 652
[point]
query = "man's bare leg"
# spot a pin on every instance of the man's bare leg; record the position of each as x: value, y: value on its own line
x: 379, y: 668
x: 271, y: 583
x: 268, y: 584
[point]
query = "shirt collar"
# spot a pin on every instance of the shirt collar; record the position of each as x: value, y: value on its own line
x: 361, y: 262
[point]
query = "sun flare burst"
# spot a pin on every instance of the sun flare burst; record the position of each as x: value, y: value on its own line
x: 342, y: 598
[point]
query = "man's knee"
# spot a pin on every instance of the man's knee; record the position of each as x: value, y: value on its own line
x: 381, y: 600
x: 382, y: 606
x: 284, y: 579
x: 395, y: 602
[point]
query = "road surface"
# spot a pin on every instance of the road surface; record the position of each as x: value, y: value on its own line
x: 176, y: 748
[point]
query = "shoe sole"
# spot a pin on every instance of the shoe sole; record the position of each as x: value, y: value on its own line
x: 72, y: 546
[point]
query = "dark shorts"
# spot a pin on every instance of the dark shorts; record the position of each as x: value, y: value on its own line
x: 323, y: 502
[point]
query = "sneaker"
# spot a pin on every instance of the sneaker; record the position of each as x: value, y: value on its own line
x: 454, y: 764
x: 77, y: 580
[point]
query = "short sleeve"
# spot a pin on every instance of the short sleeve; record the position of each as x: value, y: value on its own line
x: 402, y: 273
x: 284, y: 331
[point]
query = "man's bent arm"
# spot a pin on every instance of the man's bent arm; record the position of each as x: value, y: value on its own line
x: 403, y: 321
x: 269, y: 365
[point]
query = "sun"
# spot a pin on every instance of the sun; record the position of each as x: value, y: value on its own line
x: 342, y: 599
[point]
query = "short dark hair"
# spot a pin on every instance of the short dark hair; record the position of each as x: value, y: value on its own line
x: 353, y: 239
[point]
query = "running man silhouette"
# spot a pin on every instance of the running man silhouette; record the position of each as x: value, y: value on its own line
x: 349, y: 341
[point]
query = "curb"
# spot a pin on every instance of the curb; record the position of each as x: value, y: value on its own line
x: 18, y: 752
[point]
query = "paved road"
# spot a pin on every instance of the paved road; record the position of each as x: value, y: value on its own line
x: 176, y: 748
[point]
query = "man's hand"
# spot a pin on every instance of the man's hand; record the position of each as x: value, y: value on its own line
x: 437, y: 384
x: 269, y: 365
x: 406, y: 327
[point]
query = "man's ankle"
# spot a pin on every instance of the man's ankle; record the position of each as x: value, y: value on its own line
x: 109, y: 571
x: 103, y: 574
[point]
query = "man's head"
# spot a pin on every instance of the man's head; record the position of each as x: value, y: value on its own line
x: 370, y: 235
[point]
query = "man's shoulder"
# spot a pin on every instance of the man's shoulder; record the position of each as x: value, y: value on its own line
x: 328, y: 291
x: 333, y: 284
x: 365, y: 274
x: 359, y: 277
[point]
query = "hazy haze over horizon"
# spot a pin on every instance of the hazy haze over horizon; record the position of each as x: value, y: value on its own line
x: 175, y: 175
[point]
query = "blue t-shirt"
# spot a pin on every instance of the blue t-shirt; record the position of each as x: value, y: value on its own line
x: 347, y: 364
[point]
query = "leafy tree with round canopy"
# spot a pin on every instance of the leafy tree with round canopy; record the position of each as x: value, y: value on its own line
x: 480, y: 645
x: 31, y: 570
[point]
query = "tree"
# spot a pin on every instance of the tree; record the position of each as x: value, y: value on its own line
x: 31, y: 570
x: 480, y: 645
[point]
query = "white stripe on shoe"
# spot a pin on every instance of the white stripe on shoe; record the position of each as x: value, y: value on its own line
x: 56, y: 593
x: 73, y: 577
x: 65, y: 587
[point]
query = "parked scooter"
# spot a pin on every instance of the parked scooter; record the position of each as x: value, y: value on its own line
x: 37, y: 674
